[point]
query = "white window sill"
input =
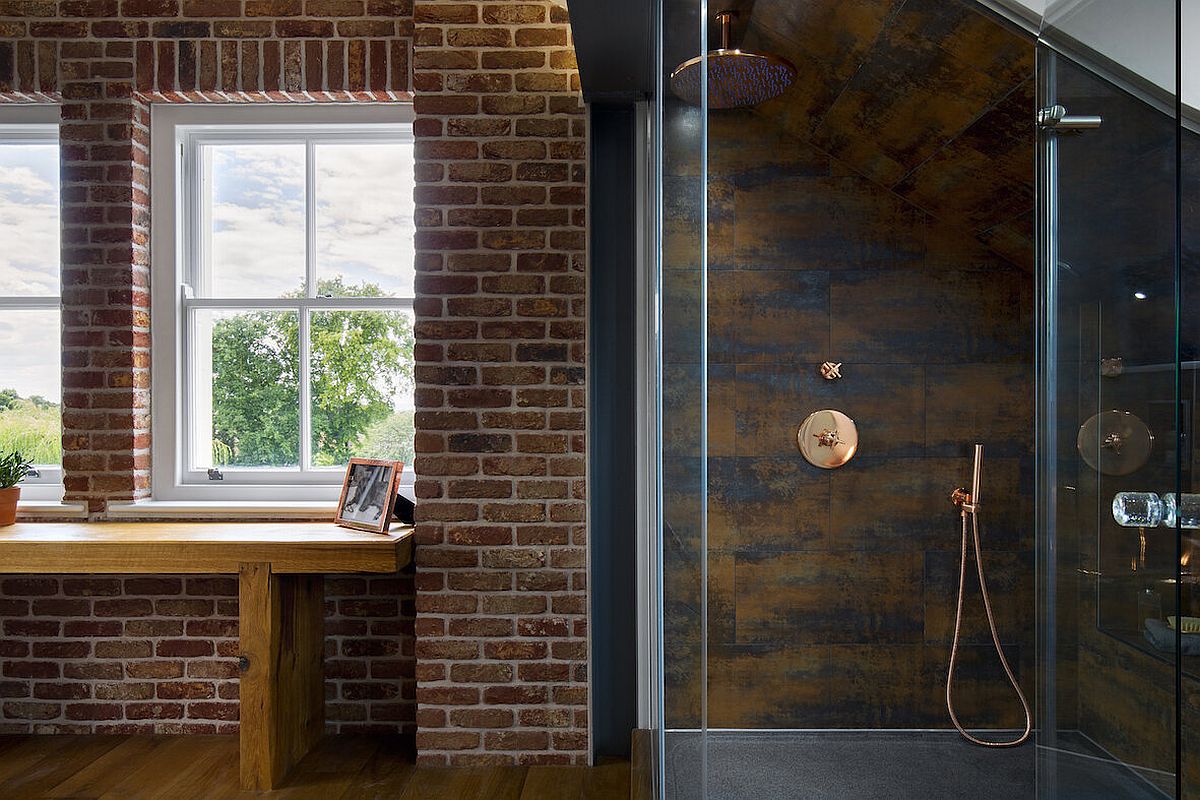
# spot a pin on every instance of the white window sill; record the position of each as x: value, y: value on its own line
x: 50, y: 509
x: 226, y: 510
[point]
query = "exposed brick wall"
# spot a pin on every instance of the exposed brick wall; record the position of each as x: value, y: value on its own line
x: 502, y: 557
x: 501, y: 605
x: 134, y: 656
x: 158, y: 654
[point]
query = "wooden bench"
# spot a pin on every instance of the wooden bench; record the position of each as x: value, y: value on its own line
x: 280, y: 568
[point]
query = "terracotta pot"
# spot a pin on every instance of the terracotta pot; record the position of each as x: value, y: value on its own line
x: 8, y: 505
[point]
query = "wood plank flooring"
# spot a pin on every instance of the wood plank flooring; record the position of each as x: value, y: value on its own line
x: 338, y: 768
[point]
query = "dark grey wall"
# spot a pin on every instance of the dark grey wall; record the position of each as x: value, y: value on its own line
x: 614, y: 45
x: 612, y: 399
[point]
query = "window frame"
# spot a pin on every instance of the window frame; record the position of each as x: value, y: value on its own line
x: 39, y: 123
x: 178, y: 234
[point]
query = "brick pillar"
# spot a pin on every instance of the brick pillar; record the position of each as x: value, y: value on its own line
x: 501, y: 561
x: 105, y: 275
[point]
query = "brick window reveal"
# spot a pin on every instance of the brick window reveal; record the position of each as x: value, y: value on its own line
x: 500, y: 598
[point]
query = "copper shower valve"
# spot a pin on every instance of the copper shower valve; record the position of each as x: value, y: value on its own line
x: 828, y: 438
x: 962, y: 498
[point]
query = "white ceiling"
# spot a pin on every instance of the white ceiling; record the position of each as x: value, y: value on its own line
x: 1138, y: 34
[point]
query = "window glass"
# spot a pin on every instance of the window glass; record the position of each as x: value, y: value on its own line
x: 247, y: 364
x: 30, y: 416
x: 30, y: 367
x: 364, y: 209
x: 256, y: 220
x: 362, y: 386
x: 297, y: 334
x: 29, y: 220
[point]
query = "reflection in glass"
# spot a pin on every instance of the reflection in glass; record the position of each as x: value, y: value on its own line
x: 1112, y: 401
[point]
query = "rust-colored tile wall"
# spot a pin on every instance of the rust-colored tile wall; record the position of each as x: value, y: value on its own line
x: 831, y: 594
x: 932, y: 99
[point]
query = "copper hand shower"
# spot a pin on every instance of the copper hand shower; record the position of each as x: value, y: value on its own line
x: 968, y: 504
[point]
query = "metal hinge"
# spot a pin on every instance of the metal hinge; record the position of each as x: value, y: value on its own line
x: 1056, y: 118
x: 215, y: 475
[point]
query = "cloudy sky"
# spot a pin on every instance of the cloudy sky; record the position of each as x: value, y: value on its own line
x: 364, y: 217
x: 29, y: 266
x: 364, y: 233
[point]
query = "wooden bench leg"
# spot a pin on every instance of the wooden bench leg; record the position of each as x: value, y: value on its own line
x: 282, y: 690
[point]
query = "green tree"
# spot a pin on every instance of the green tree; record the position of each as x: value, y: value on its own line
x: 256, y: 389
x: 390, y: 438
x: 360, y: 360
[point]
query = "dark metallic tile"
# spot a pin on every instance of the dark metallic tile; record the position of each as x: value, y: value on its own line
x: 681, y: 409
x: 1010, y: 577
x: 766, y: 687
x: 1014, y: 240
x: 770, y: 504
x: 989, y: 404
x: 921, y: 85
x: 824, y: 223
x: 747, y: 148
x: 822, y: 598
x: 779, y: 317
x: 928, y: 317
x: 903, y: 504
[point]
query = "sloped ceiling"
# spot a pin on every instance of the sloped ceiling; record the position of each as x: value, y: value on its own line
x: 932, y: 99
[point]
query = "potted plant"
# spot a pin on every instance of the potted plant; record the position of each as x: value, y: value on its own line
x: 13, y: 468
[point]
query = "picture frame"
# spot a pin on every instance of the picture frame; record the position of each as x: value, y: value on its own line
x: 368, y: 494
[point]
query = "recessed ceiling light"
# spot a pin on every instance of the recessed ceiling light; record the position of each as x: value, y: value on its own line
x: 1140, y: 295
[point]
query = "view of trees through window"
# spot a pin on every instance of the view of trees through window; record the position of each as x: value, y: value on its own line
x: 265, y: 238
x: 361, y: 360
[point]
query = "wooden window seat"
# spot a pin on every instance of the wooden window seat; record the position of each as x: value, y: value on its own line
x: 280, y: 605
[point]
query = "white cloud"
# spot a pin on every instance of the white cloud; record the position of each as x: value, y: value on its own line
x: 29, y: 228
x: 29, y: 341
x: 28, y: 182
x: 365, y: 214
x: 364, y: 219
x: 258, y: 220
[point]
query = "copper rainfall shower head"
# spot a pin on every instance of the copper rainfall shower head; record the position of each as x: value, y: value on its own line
x: 736, y: 78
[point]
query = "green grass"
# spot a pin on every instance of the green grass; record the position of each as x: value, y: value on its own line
x: 33, y: 430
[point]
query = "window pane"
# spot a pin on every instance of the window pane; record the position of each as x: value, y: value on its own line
x: 364, y: 220
x: 29, y: 220
x: 30, y: 388
x: 362, y: 384
x: 257, y: 220
x: 246, y: 397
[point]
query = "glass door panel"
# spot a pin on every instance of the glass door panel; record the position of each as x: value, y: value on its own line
x: 1115, y: 415
x: 684, y: 412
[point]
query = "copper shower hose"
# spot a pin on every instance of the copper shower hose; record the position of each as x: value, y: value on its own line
x: 987, y: 606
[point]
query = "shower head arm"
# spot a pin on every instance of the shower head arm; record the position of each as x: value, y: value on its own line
x: 726, y: 19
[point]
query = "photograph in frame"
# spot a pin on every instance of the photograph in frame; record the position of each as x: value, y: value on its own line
x: 368, y: 494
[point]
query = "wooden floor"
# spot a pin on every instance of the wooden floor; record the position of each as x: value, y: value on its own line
x: 206, y: 768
